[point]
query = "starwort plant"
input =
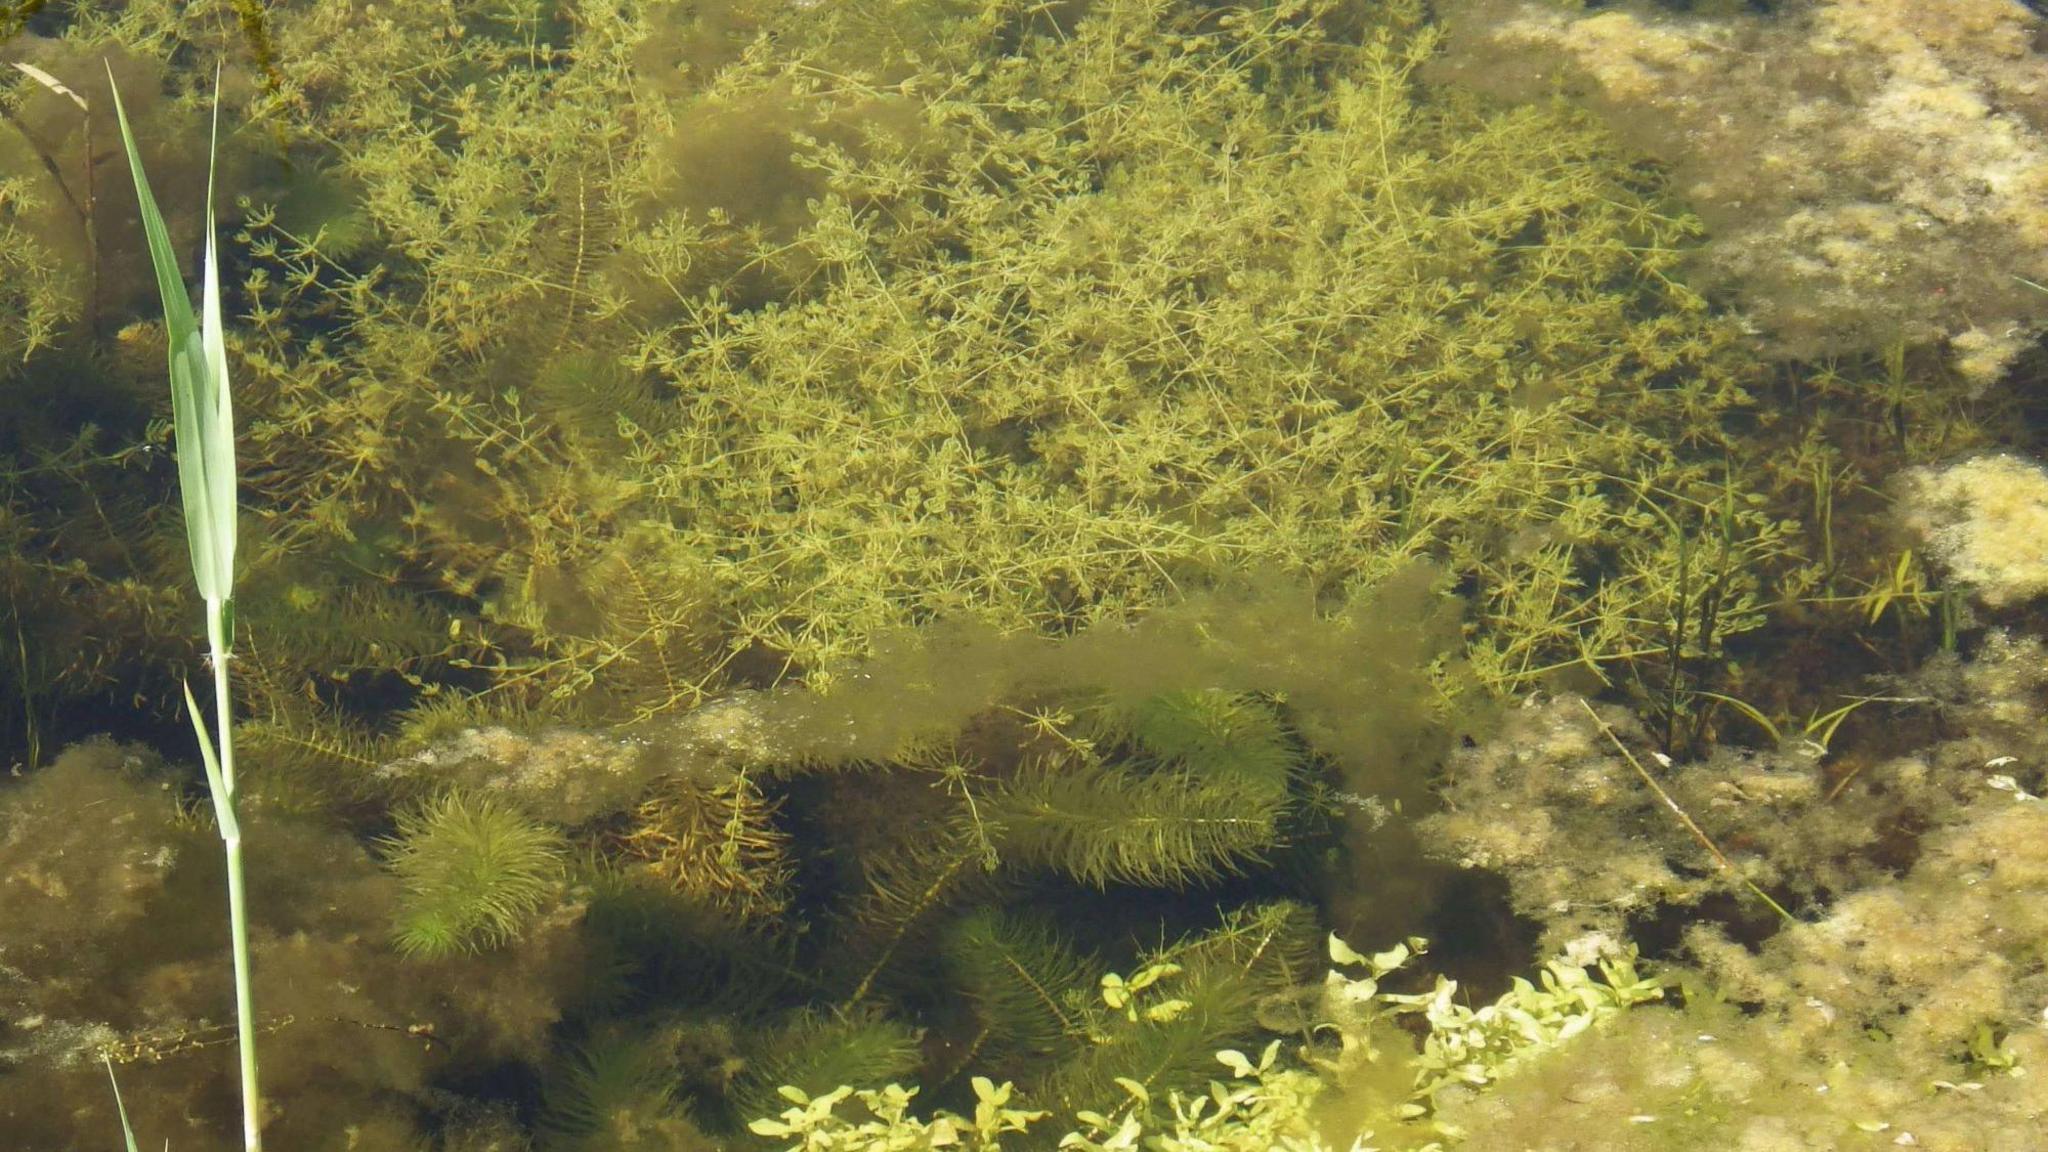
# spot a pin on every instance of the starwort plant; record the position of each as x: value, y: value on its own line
x: 205, y: 442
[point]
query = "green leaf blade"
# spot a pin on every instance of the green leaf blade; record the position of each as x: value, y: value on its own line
x: 202, y: 416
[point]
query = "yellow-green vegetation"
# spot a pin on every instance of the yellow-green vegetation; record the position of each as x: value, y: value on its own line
x: 1981, y: 518
x: 1345, y: 1079
x: 891, y: 1124
x: 475, y: 871
x: 543, y: 406
x: 807, y: 534
x: 615, y: 1091
x: 34, y: 306
x: 818, y: 1053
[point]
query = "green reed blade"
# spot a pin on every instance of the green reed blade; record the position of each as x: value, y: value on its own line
x: 201, y: 412
x: 204, y: 430
x: 127, y: 1132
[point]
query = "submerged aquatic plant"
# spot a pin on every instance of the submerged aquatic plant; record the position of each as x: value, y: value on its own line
x: 613, y: 1091
x: 475, y: 870
x: 816, y: 1053
x: 120, y: 1108
x: 205, y: 429
x: 710, y: 445
x: 1022, y: 982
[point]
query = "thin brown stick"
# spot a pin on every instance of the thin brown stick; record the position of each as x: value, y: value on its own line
x: 1698, y: 834
x: 84, y: 210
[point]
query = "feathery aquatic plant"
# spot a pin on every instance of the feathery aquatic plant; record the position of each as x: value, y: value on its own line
x: 1027, y: 988
x: 1106, y: 826
x: 616, y: 1089
x: 816, y: 1052
x: 475, y: 871
x: 1215, y: 733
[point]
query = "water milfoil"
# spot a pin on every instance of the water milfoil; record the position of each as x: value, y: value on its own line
x: 475, y: 871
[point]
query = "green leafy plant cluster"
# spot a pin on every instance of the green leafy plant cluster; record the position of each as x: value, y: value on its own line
x: 1268, y: 1112
x: 475, y: 871
x: 914, y: 893
x: 1064, y: 806
x: 1271, y: 1103
x: 892, y: 1125
x: 536, y: 410
x: 1475, y: 1046
x: 34, y: 305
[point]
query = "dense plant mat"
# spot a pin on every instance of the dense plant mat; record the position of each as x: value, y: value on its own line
x: 595, y: 358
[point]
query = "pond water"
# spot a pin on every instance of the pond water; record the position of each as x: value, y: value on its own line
x: 1420, y: 575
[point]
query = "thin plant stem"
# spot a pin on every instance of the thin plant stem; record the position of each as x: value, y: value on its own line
x: 203, y: 419
x: 1698, y: 833
x: 220, y: 641
x: 85, y: 211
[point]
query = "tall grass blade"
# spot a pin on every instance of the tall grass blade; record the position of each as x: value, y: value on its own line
x: 200, y: 409
x: 223, y: 797
x: 127, y: 1132
x: 203, y: 422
